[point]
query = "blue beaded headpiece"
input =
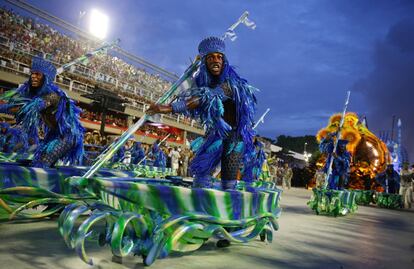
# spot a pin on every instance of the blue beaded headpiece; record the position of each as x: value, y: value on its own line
x: 210, y: 45
x: 44, y: 67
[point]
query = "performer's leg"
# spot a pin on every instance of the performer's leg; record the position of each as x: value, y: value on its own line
x: 332, y: 182
x: 405, y: 195
x: 49, y: 153
x: 409, y: 196
x: 340, y: 182
x: 205, y: 161
x: 230, y: 165
x: 248, y: 173
x: 185, y: 169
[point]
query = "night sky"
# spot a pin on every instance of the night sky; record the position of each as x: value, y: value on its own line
x: 303, y: 55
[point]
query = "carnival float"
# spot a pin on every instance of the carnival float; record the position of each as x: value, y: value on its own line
x: 369, y: 158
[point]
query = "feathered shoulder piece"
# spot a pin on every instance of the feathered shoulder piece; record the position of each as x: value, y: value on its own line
x: 210, y: 110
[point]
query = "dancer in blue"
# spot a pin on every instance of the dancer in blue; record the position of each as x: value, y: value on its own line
x: 252, y: 170
x: 341, y: 162
x: 13, y: 140
x: 138, y: 153
x: 119, y: 154
x: 160, y: 160
x: 389, y: 179
x: 225, y: 103
x: 41, y: 105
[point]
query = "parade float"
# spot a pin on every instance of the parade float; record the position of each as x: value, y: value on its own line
x: 370, y: 157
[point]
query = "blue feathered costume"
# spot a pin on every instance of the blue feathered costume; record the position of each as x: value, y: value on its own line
x: 48, y: 108
x: 341, y: 162
x: 226, y: 106
x: 137, y: 153
x: 253, y: 169
x: 13, y: 139
x: 119, y: 155
x: 389, y: 179
x: 160, y: 160
x: 4, y: 134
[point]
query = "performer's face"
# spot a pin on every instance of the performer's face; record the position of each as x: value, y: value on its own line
x: 214, y: 62
x: 37, y: 79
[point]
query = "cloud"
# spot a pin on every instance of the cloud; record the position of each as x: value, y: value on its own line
x: 297, y: 123
x: 389, y: 88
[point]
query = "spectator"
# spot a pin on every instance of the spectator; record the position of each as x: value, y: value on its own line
x: 96, y: 137
x: 175, y: 158
x: 185, y: 158
x: 406, y: 188
x: 287, y: 175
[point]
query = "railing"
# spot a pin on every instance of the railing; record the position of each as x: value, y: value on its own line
x: 82, y: 70
x: 14, y: 66
x: 139, y: 132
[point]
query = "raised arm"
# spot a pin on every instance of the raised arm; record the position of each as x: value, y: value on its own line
x: 9, y: 108
x: 175, y: 107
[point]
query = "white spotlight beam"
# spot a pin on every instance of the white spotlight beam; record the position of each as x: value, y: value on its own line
x: 98, y: 24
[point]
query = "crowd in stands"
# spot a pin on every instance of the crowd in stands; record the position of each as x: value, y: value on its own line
x: 94, y: 138
x: 23, y: 37
x: 120, y: 120
x: 110, y: 119
x: 177, y: 158
x: 34, y: 37
x: 161, y: 133
x: 27, y: 37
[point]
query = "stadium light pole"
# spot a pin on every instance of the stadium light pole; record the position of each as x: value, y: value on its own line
x: 98, y: 24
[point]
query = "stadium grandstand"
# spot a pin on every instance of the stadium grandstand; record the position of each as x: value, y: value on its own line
x: 22, y: 37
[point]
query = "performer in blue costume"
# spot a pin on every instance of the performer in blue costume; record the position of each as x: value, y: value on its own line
x: 138, y: 153
x: 119, y: 154
x: 160, y: 160
x: 389, y: 179
x: 4, y: 133
x: 341, y: 162
x: 16, y: 141
x: 40, y: 104
x: 253, y: 169
x: 225, y: 104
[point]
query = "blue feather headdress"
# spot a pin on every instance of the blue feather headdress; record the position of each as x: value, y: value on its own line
x: 210, y: 45
x: 42, y: 66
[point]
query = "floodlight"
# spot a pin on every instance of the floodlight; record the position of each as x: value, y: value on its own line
x: 98, y: 24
